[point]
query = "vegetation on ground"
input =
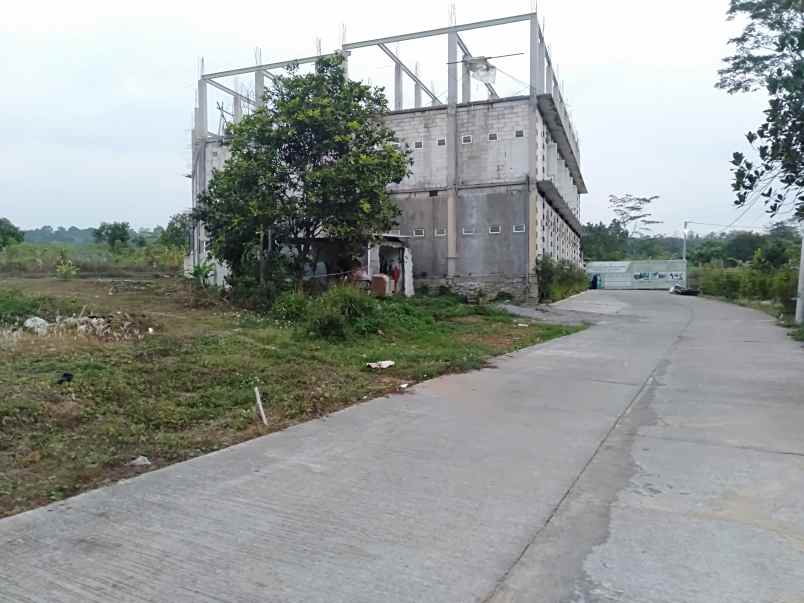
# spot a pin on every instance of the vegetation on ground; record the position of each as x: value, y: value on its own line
x: 188, y: 388
x: 90, y: 260
x: 559, y: 279
x: 9, y: 234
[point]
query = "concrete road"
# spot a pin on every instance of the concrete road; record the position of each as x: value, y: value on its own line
x: 656, y: 457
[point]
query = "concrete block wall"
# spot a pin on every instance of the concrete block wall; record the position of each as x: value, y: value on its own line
x: 481, y: 161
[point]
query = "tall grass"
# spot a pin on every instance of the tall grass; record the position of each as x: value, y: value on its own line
x: 42, y: 259
x: 749, y: 283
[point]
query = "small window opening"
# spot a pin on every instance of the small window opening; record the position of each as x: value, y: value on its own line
x: 442, y: 142
x: 466, y: 139
x: 495, y: 229
x: 418, y: 144
x: 519, y: 133
x: 492, y: 136
x: 434, y: 193
x: 468, y: 230
x: 418, y: 232
x: 519, y: 228
x: 440, y: 232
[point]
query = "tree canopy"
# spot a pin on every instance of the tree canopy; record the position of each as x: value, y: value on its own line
x: 114, y: 234
x: 177, y: 232
x: 313, y: 163
x: 769, y: 54
x: 9, y: 234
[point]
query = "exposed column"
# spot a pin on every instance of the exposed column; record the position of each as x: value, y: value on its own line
x: 345, y: 62
x: 452, y: 153
x: 200, y: 163
x: 417, y: 89
x: 466, y: 81
x: 534, y: 119
x: 398, y: 92
x: 237, y: 109
x: 259, y: 87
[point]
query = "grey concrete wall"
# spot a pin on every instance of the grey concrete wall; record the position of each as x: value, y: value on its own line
x: 481, y: 253
x: 480, y: 162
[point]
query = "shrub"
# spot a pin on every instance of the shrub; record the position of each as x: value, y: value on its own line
x: 341, y: 312
x: 291, y: 306
x: 559, y: 279
x: 784, y: 288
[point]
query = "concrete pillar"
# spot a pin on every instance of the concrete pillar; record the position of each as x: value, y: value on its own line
x: 452, y: 153
x: 537, y: 57
x: 417, y: 90
x: 398, y: 91
x: 345, y: 62
x: 466, y: 81
x: 259, y: 87
x: 237, y: 109
x: 534, y: 119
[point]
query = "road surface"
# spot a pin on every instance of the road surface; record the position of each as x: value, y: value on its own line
x: 656, y: 457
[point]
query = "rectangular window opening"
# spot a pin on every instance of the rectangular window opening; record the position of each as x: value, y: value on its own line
x: 418, y: 144
x: 434, y: 193
x: 495, y: 229
x: 519, y: 133
x: 466, y: 139
x: 519, y: 228
x: 468, y: 230
x: 418, y: 232
x: 440, y: 232
x: 442, y: 142
x: 492, y: 136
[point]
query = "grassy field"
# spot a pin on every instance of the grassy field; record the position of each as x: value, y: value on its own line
x: 188, y: 388
x: 42, y: 259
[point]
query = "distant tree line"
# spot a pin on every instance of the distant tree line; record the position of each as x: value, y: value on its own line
x: 613, y: 242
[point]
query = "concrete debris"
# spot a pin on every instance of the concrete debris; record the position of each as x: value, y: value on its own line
x: 36, y: 325
x: 382, y: 364
x: 117, y: 327
x: 140, y: 461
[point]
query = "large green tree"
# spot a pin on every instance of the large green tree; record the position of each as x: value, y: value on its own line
x: 312, y: 164
x: 9, y: 234
x: 114, y: 234
x: 177, y: 232
x: 769, y: 55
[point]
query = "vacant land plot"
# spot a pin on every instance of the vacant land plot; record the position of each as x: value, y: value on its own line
x: 180, y: 381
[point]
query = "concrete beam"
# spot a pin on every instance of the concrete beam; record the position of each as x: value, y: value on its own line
x: 438, y: 32
x: 235, y: 94
x: 409, y: 73
x: 264, y: 67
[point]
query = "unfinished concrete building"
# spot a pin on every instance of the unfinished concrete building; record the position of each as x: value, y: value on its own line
x: 496, y: 181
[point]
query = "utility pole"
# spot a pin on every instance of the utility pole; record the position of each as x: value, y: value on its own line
x: 684, y: 249
x: 800, y: 300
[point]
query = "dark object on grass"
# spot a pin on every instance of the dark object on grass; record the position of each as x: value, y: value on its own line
x: 65, y: 378
x: 679, y: 290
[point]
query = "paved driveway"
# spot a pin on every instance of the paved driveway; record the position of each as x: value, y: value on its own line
x: 655, y: 457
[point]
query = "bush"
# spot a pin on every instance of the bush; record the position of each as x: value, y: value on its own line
x: 291, y: 306
x: 784, y: 289
x: 559, y: 279
x: 341, y: 312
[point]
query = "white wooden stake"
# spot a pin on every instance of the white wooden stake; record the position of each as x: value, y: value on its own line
x: 259, y: 406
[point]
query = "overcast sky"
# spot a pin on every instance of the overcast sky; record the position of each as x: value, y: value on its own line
x: 97, y: 97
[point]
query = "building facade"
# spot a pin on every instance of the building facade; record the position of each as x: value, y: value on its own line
x: 495, y: 183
